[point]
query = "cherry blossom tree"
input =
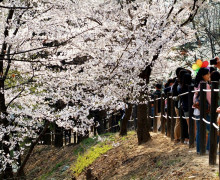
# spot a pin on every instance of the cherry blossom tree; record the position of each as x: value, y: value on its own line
x: 90, y: 55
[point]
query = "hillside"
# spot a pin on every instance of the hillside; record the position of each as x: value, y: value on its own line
x: 158, y: 159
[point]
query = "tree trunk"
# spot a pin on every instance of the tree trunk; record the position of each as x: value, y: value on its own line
x: 101, y: 115
x: 142, y: 125
x: 58, y: 141
x: 110, y: 123
x: 8, y: 173
x: 124, y: 122
x: 134, y: 112
x: 47, y: 137
x: 33, y: 144
x: 113, y: 123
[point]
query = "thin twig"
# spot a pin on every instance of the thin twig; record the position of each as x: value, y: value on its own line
x: 9, y: 7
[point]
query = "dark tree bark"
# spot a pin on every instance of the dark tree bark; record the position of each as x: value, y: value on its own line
x: 8, y: 173
x: 101, y: 115
x: 110, y: 123
x: 58, y: 141
x: 134, y: 116
x: 33, y: 144
x: 99, y: 118
x: 142, y: 125
x: 124, y: 122
x: 47, y: 137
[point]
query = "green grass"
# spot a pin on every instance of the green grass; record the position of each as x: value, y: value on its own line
x: 45, y: 176
x: 89, y: 157
x: 85, y: 144
x: 131, y: 132
x: 173, y: 162
x: 90, y: 149
x: 159, y: 163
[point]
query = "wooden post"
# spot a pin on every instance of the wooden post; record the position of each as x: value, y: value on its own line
x: 168, y: 114
x: 79, y: 137
x: 69, y: 136
x: 74, y: 137
x: 89, y: 174
x: 155, y: 113
x: 114, y: 129
x: 52, y: 136
x: 95, y: 128
x: 113, y: 123
x: 213, y: 131
x: 202, y: 115
x: 162, y: 114
x: 191, y: 121
x: 182, y: 138
x: 135, y: 117
x: 65, y: 136
x: 149, y: 114
x: 110, y: 120
x: 172, y: 113
x: 105, y: 124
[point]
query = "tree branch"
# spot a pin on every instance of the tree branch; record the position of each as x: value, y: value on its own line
x: 9, y: 7
x: 19, y: 92
x: 121, y: 55
x: 33, y: 144
x: 9, y: 63
x: 195, y: 8
x: 56, y: 45
x: 171, y: 10
x: 95, y: 20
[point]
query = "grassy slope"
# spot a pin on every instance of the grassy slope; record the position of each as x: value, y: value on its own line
x: 117, y: 157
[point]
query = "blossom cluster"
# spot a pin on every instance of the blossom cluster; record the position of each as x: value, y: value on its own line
x: 87, y: 54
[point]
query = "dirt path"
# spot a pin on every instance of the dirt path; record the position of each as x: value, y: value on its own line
x: 158, y: 159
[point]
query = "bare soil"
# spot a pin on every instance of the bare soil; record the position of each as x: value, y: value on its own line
x: 157, y: 159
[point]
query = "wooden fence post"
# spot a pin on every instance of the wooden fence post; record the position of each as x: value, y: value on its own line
x: 74, y: 138
x: 168, y: 114
x: 79, y: 137
x: 114, y: 124
x: 110, y: 123
x: 202, y: 115
x: 65, y: 136
x: 95, y: 127
x: 162, y: 114
x: 172, y: 113
x: 191, y: 121
x: 182, y: 138
x: 69, y: 136
x: 149, y: 114
x: 135, y: 117
x: 213, y: 131
x: 155, y: 113
x: 105, y: 124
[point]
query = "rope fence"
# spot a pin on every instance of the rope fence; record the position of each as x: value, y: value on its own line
x: 169, y: 117
x: 186, y: 93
